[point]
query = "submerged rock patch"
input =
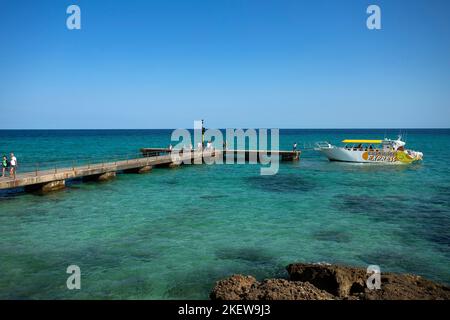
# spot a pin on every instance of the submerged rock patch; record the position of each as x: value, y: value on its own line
x: 213, y: 197
x: 282, y: 183
x: 332, y: 235
x: 250, y: 254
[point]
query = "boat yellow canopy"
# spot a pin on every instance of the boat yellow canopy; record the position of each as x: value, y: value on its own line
x: 362, y: 141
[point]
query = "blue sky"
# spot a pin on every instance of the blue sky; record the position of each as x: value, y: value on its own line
x: 235, y: 63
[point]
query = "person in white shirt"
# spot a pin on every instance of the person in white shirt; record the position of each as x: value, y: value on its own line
x: 13, y: 164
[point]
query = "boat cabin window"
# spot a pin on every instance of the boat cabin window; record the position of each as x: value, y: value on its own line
x: 364, y: 146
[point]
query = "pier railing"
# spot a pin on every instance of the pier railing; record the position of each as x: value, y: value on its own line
x: 83, y: 162
x: 94, y: 160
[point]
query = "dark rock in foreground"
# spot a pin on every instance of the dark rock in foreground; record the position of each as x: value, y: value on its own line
x: 328, y: 282
x: 239, y: 287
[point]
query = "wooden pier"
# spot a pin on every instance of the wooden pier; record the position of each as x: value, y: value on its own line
x: 55, y: 179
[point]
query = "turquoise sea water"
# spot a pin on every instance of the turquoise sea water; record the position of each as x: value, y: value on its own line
x: 173, y: 232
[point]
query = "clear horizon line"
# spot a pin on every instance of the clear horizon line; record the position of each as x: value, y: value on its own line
x: 281, y: 128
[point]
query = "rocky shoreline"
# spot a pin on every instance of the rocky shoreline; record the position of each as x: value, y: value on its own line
x: 328, y: 282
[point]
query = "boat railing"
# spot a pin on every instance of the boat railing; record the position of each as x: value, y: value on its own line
x: 323, y: 145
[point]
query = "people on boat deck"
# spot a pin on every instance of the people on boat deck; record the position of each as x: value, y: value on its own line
x: 294, y: 147
x: 13, y: 165
x: 4, y: 165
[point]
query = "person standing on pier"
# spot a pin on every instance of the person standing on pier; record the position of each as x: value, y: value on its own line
x: 294, y: 147
x: 13, y: 163
x: 4, y: 165
x: 203, y: 134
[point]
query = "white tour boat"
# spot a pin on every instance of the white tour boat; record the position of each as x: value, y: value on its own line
x: 370, y: 151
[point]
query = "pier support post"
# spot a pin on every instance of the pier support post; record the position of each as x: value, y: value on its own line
x: 174, y: 165
x: 100, y: 177
x: 106, y: 176
x: 144, y: 169
x: 294, y: 156
x: 46, y: 187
